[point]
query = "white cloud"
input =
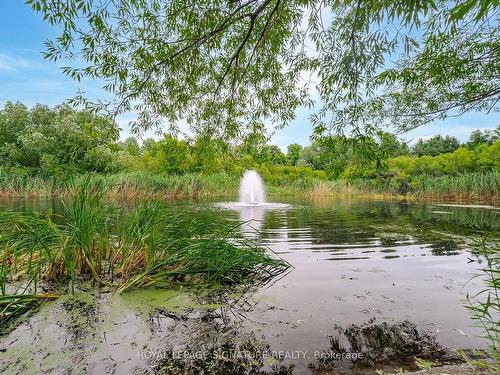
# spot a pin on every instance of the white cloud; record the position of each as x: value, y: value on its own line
x: 14, y: 63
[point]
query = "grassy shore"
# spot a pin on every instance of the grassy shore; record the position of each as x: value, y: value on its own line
x: 473, y: 187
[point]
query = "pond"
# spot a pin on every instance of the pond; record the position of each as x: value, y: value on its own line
x: 353, y: 262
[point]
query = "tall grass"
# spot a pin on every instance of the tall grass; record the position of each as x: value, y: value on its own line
x: 152, y: 245
x: 166, y: 245
x: 12, y: 185
x: 143, y: 184
x: 482, y: 185
x: 479, y: 186
x: 484, y: 305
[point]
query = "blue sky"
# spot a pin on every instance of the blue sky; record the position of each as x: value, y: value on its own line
x: 25, y: 76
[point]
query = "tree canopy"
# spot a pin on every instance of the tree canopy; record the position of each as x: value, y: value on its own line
x: 58, y: 141
x: 436, y: 145
x: 230, y: 65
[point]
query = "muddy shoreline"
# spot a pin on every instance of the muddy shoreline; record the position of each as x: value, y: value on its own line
x: 188, y: 333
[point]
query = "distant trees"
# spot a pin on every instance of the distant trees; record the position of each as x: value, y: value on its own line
x: 391, y: 145
x: 336, y: 154
x: 62, y: 141
x: 436, y: 145
x: 271, y: 154
x: 478, y: 137
x: 462, y: 160
x: 293, y: 153
x: 169, y: 155
x: 58, y: 141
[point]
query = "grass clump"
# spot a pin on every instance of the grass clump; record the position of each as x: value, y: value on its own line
x: 148, y: 245
x: 175, y: 246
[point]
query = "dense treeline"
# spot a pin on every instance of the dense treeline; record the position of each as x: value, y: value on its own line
x: 62, y: 142
x: 55, y: 142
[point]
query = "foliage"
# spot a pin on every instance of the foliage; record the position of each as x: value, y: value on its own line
x: 338, y: 156
x: 46, y: 150
x: 226, y: 66
x: 436, y: 145
x: 474, y: 186
x: 478, y: 137
x: 152, y: 244
x: 55, y: 142
x: 293, y: 153
x: 460, y: 161
x: 168, y: 155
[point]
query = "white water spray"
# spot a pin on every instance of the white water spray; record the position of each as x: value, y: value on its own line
x: 252, y: 188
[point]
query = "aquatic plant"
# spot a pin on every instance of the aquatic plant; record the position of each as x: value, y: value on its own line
x: 485, y: 304
x: 12, y: 306
x: 148, y: 245
x: 174, y: 246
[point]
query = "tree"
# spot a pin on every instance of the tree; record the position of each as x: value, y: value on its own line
x: 231, y: 64
x: 131, y: 146
x: 207, y: 154
x: 271, y: 154
x: 14, y: 120
x: 436, y: 145
x: 478, y: 138
x: 293, y: 153
x: 331, y: 154
x: 169, y: 155
x: 252, y: 145
x: 391, y: 146
x: 55, y: 141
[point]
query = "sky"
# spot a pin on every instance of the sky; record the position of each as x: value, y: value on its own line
x: 27, y: 77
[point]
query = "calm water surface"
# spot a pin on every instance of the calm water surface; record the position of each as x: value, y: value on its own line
x: 353, y: 261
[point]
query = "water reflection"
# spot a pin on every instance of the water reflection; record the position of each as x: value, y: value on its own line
x: 353, y: 261
x: 352, y: 229
x: 252, y: 215
x: 253, y: 219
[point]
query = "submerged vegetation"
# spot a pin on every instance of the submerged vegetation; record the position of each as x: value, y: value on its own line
x: 150, y: 245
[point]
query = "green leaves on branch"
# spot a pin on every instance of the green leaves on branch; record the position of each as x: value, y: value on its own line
x: 229, y: 66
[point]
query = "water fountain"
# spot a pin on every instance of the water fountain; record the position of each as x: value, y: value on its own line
x: 252, y: 189
x: 252, y: 205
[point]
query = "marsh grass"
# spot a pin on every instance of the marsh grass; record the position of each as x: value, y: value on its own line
x: 123, y: 249
x: 477, y: 186
x: 484, y: 307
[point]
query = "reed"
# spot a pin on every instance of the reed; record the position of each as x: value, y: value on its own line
x: 485, y: 304
x: 474, y: 186
x: 482, y: 185
x: 149, y: 245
